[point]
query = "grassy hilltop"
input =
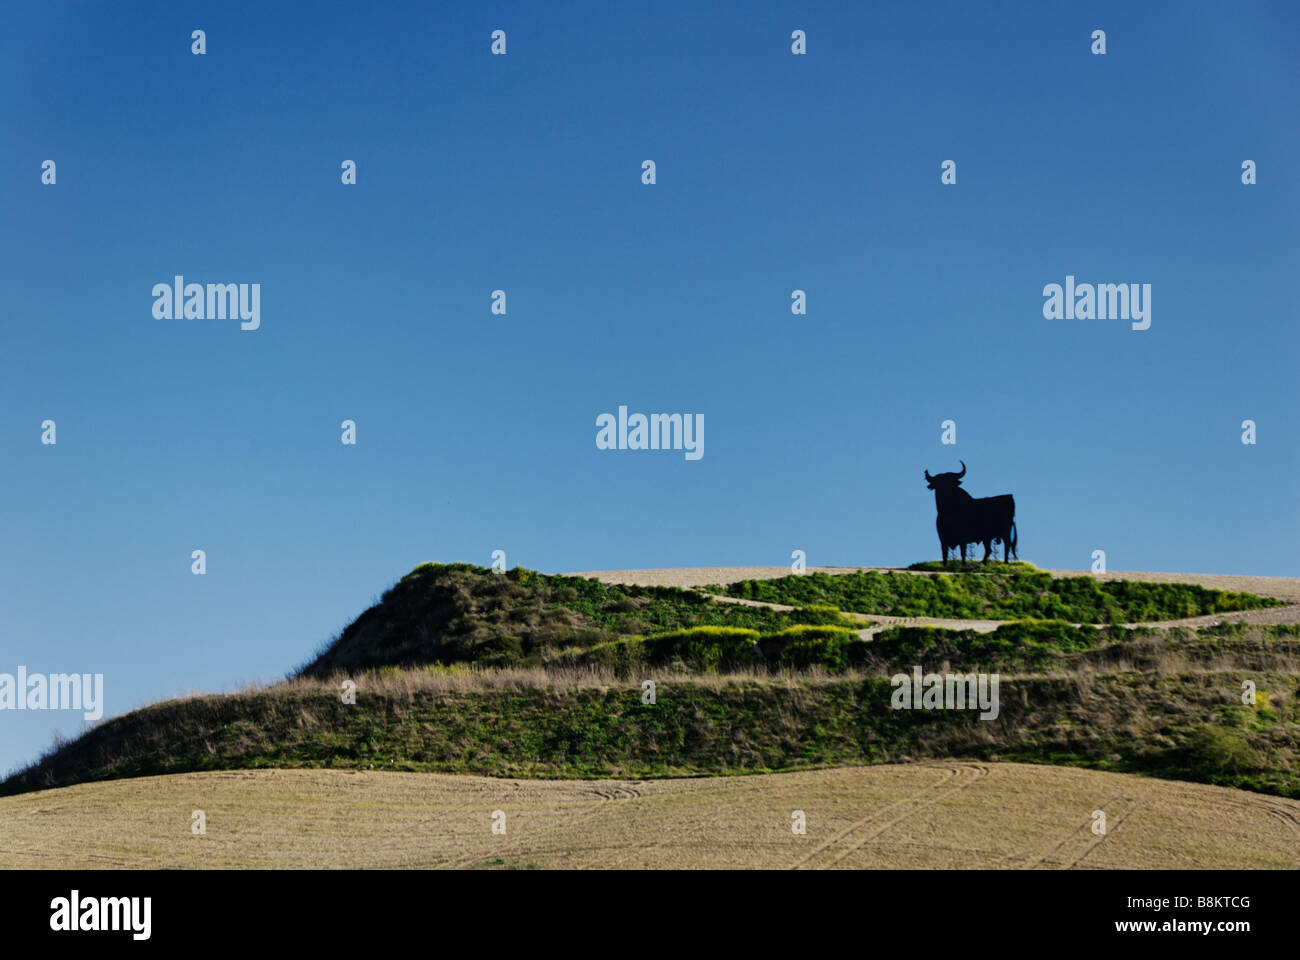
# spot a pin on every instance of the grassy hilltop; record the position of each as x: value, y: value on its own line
x: 1011, y: 592
x: 459, y: 669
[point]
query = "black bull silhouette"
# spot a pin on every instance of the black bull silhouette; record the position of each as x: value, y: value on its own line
x: 964, y: 519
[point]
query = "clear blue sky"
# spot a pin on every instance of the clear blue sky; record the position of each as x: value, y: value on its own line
x: 522, y: 172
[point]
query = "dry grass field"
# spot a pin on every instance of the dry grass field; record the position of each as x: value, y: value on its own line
x: 938, y: 815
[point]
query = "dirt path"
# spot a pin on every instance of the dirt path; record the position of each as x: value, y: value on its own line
x: 948, y: 814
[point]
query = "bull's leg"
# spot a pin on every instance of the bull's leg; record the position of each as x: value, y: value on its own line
x: 988, y: 549
x: 963, y: 553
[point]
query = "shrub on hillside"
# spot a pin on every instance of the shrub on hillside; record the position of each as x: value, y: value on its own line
x: 1021, y: 643
x: 704, y: 648
x: 623, y: 656
x: 831, y: 647
x: 1220, y: 750
x: 824, y: 614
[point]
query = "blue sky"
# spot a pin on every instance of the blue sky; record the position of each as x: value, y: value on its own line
x: 522, y: 172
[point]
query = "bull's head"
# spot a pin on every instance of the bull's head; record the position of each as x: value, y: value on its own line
x: 945, y: 481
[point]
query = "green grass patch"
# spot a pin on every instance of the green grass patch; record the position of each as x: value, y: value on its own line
x: 1020, y: 645
x: 1001, y: 592
x: 973, y: 566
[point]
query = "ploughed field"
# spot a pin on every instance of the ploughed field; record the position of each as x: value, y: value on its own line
x: 933, y: 815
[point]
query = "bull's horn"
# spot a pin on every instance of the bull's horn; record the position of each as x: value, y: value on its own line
x: 963, y: 469
x: 928, y: 478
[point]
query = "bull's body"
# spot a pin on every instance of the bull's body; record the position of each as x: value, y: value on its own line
x: 964, y: 519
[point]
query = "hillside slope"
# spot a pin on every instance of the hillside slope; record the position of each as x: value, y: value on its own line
x: 460, y: 670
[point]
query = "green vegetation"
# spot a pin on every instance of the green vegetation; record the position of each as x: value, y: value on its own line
x: 710, y: 649
x: 695, y: 648
x: 1220, y: 750
x: 1019, y: 645
x: 1269, y: 632
x: 833, y: 649
x: 973, y: 566
x: 1001, y: 592
x: 703, y: 648
x: 1175, y: 725
x: 460, y: 613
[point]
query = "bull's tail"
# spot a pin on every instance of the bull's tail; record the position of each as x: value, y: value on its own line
x: 1012, y: 544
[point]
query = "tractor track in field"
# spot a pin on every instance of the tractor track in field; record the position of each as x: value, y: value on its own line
x: 911, y: 805
x: 608, y: 794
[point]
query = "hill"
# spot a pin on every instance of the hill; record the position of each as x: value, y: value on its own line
x: 462, y: 670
